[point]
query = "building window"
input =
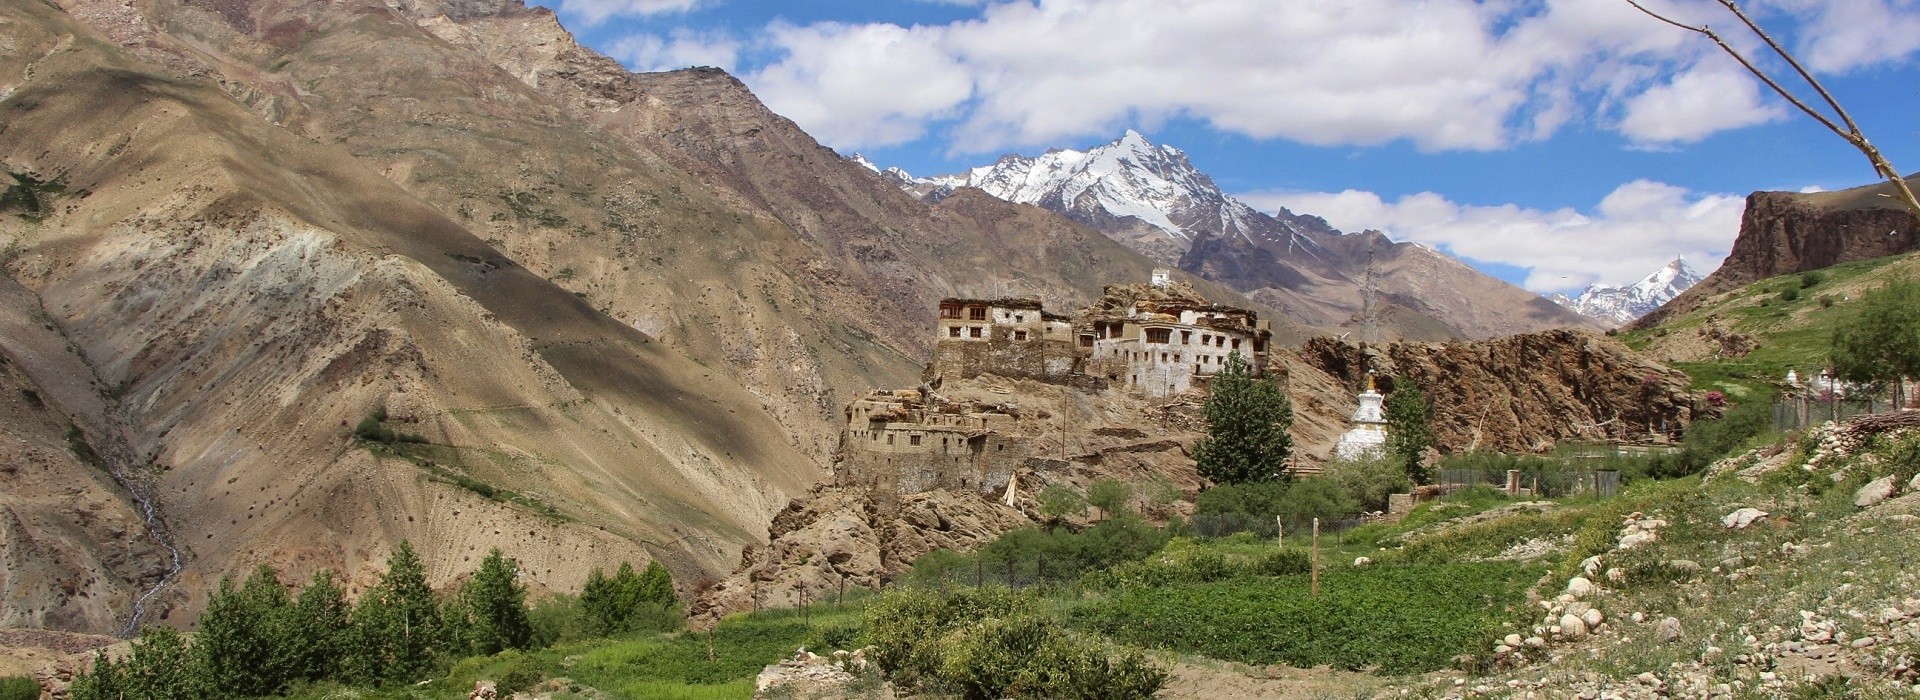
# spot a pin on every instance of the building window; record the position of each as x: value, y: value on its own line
x: 1236, y: 343
x: 1019, y: 318
x: 1086, y: 340
x: 973, y: 331
x: 1163, y: 357
x: 1019, y: 335
x: 949, y: 311
x: 976, y: 313
x: 953, y: 331
x: 913, y: 440
x: 1204, y: 339
x: 1186, y: 337
x: 1259, y: 346
x: 1159, y: 335
x: 889, y: 438
x: 1220, y: 340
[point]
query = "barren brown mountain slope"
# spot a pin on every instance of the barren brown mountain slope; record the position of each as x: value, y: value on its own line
x: 245, y: 296
x: 284, y: 216
x: 674, y: 202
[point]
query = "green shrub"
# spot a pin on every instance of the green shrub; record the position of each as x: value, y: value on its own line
x: 907, y: 626
x: 1257, y: 499
x: 1790, y: 294
x: 19, y: 688
x: 1029, y: 656
x: 1285, y: 562
x: 992, y: 643
x: 1807, y: 281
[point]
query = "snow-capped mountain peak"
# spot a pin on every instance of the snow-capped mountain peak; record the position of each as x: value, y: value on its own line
x: 1168, y: 201
x: 1620, y: 305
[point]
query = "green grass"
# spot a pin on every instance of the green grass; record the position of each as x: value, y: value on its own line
x: 1396, y: 619
x: 1790, y: 333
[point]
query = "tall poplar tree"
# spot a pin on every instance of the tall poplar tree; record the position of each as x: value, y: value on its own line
x: 1409, y: 432
x: 496, y: 606
x: 397, y: 626
x: 1247, y: 422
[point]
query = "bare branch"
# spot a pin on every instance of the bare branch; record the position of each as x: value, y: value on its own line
x: 1851, y: 132
x: 1708, y: 32
x: 1791, y: 61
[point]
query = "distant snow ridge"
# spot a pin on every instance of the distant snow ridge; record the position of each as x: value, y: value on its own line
x: 1130, y: 178
x: 1620, y: 305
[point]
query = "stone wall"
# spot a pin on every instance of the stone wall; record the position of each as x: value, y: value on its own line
x: 1036, y: 358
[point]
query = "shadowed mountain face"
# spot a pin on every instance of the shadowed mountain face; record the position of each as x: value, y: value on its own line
x: 621, y: 311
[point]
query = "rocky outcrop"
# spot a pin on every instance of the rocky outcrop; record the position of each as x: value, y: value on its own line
x: 1788, y: 232
x: 1523, y: 392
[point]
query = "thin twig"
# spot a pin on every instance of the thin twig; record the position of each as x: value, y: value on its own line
x: 1851, y: 133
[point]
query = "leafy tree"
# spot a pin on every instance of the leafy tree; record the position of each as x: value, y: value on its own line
x: 496, y: 604
x: 1317, y: 498
x: 1882, y: 344
x: 317, y: 635
x: 630, y: 601
x: 1409, y: 432
x: 1260, y: 498
x: 241, y: 645
x: 1110, y: 496
x: 397, y: 627
x: 1247, y: 422
x: 160, y: 667
x: 1368, y: 479
x: 1057, y: 501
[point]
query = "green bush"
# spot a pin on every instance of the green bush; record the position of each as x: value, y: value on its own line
x: 907, y: 626
x: 1286, y: 562
x: 992, y: 643
x: 19, y: 688
x: 1790, y: 294
x: 1807, y: 281
x: 1029, y: 656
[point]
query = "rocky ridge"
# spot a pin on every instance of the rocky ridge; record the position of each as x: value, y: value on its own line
x: 1788, y: 232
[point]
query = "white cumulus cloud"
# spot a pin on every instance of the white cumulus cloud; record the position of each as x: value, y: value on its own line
x: 596, y: 11
x: 681, y: 49
x: 1634, y: 230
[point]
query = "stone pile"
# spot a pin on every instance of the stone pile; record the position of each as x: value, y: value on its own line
x: 807, y: 674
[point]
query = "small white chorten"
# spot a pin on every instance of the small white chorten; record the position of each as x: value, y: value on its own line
x: 1368, y: 437
x: 1162, y: 277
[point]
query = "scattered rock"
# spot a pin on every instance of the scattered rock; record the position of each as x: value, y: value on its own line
x: 1874, y: 492
x: 484, y: 690
x: 1580, y: 587
x: 1593, y: 618
x: 1668, y: 630
x: 1362, y: 561
x: 1740, y: 519
x: 1573, y: 628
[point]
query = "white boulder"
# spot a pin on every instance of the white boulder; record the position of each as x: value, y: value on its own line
x: 1874, y: 492
x: 1740, y: 519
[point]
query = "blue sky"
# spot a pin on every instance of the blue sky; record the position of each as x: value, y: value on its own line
x: 1552, y: 143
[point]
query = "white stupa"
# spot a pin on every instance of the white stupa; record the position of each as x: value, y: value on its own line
x: 1368, y: 437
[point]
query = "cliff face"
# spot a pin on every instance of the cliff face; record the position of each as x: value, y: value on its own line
x: 1787, y: 232
x: 1518, y: 393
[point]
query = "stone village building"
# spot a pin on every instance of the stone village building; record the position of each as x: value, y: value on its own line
x: 1159, y: 340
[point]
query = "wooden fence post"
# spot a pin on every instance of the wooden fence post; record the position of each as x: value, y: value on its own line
x: 1316, y: 557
